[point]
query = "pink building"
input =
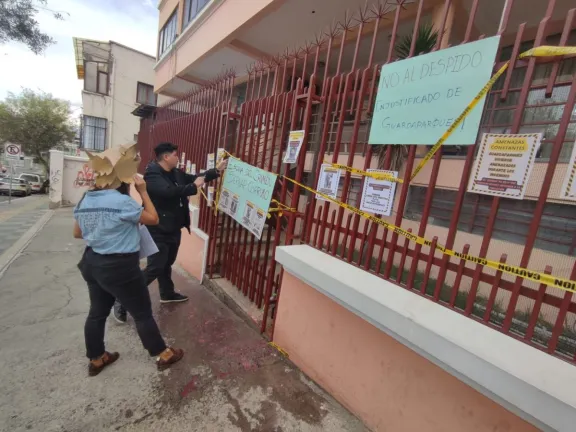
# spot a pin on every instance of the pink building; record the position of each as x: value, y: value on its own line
x: 403, y: 335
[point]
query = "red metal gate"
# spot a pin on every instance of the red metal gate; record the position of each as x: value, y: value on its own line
x: 327, y: 88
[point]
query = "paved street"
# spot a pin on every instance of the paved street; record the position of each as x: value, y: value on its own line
x: 229, y: 380
x: 18, y: 217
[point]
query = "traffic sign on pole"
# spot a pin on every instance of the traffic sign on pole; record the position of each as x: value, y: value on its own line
x: 12, y: 151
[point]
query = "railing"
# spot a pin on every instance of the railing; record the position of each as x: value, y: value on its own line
x: 340, y: 69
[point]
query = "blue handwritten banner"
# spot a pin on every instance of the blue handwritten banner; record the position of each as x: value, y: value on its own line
x: 419, y: 98
x: 246, y: 194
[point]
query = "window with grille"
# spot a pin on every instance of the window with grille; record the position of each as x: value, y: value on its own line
x: 93, y: 133
x: 354, y: 192
x: 556, y: 233
x: 192, y: 8
x: 168, y: 33
x: 96, y: 77
x: 145, y: 94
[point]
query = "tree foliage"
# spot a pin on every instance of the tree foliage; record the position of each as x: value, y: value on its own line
x: 17, y: 23
x: 37, y: 121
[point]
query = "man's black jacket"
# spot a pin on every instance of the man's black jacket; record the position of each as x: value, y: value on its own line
x: 171, y: 197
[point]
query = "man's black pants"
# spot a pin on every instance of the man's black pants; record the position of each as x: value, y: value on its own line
x: 159, y: 265
x: 111, y: 277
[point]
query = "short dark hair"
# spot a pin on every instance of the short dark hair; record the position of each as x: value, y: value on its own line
x: 163, y: 148
x: 124, y: 188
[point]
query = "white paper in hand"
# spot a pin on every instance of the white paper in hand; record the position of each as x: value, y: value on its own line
x: 147, y: 245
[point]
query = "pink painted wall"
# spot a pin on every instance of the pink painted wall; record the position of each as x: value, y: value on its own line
x: 191, y: 254
x: 218, y: 28
x: 387, y: 385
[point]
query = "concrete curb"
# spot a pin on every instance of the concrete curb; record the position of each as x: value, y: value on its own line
x: 14, y: 251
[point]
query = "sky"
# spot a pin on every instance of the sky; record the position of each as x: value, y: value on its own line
x: 133, y: 23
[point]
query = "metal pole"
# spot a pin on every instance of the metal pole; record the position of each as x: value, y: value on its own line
x: 10, y: 184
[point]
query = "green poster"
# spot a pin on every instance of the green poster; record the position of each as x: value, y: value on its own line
x: 246, y: 194
x: 420, y: 97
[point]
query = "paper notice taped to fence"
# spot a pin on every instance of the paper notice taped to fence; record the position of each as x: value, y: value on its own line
x: 504, y: 164
x: 568, y: 191
x: 378, y: 195
x: 328, y: 181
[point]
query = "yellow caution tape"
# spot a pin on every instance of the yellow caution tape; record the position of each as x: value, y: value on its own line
x: 541, y: 51
x: 548, y: 51
x: 556, y: 282
x: 203, y: 194
x: 217, y: 202
x: 374, y: 175
x: 459, y: 120
x: 543, y: 278
x: 277, y: 348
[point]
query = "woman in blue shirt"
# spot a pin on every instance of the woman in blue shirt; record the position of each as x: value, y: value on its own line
x: 108, y: 221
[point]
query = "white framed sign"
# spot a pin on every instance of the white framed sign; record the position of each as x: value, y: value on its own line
x: 295, y: 140
x: 504, y: 164
x: 378, y: 195
x: 210, y: 163
x: 13, y: 151
x: 568, y: 191
x: 328, y: 181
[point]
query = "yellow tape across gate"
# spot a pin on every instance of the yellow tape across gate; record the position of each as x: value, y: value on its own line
x: 543, y: 278
x: 374, y: 175
x: 556, y: 282
x: 536, y: 276
x: 542, y: 51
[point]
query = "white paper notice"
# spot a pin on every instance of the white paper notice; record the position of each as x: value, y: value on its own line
x: 147, y: 245
x: 193, y: 169
x: 328, y: 181
x: 504, y: 164
x: 188, y: 167
x: 295, y: 140
x: 210, y: 196
x: 220, y: 155
x: 378, y: 195
x: 568, y: 191
x: 210, y: 164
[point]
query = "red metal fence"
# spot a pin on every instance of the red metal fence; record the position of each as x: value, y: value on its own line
x: 327, y: 88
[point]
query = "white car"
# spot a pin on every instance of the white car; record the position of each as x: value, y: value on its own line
x: 34, y: 179
x: 19, y: 187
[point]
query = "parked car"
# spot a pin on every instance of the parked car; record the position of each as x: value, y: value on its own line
x: 35, y: 181
x: 19, y: 187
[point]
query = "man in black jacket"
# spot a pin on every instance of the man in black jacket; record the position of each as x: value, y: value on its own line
x: 169, y: 189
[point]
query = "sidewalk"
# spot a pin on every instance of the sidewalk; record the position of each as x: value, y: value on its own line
x: 229, y: 380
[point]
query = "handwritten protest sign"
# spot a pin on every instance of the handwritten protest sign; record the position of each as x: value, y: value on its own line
x: 504, y: 164
x: 419, y: 98
x: 568, y: 191
x: 246, y: 194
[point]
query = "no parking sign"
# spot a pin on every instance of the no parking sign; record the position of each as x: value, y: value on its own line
x: 13, y: 151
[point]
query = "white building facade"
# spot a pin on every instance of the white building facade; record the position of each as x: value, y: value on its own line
x: 117, y: 80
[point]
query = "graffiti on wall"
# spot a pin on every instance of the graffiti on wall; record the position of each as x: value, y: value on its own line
x: 84, y: 177
x: 55, y: 177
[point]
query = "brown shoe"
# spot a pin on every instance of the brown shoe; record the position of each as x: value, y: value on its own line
x: 98, y: 365
x: 168, y: 357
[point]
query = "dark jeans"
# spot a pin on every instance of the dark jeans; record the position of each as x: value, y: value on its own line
x: 117, y: 276
x: 159, y: 265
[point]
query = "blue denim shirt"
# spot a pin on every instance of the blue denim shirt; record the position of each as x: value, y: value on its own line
x: 109, y: 222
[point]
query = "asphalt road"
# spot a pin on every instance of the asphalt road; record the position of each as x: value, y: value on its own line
x: 4, y: 198
x: 230, y: 379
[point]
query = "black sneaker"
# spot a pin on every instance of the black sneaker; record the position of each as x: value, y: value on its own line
x: 119, y: 313
x: 173, y: 298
